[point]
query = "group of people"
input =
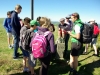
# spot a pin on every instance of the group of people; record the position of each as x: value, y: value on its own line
x: 31, y: 28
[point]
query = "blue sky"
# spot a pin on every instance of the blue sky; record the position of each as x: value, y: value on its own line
x: 54, y: 9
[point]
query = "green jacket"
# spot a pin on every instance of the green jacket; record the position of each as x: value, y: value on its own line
x: 77, y: 22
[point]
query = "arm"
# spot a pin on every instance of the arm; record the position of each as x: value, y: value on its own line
x: 52, y: 47
x: 77, y: 31
x: 5, y: 25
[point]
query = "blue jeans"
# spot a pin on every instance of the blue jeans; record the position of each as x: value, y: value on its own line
x: 16, y: 44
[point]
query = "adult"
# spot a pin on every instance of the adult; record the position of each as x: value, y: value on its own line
x: 75, y: 42
x: 63, y: 35
x: 8, y: 27
x: 16, y: 29
x: 69, y: 22
x: 94, y: 37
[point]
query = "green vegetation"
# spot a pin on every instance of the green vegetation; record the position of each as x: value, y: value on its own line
x: 88, y: 64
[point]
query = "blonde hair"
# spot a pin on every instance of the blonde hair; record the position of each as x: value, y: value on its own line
x: 45, y: 22
x: 18, y: 7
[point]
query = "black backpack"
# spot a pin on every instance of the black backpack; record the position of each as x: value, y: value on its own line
x: 86, y: 33
x: 26, y: 40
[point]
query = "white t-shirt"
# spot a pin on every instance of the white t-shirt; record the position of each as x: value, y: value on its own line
x: 77, y: 29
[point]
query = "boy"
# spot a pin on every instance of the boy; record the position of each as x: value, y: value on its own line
x: 25, y: 53
x: 29, y: 33
x: 8, y: 27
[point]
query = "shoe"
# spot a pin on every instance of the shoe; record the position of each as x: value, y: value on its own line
x: 15, y: 58
x: 25, y: 70
x: 10, y: 47
x: 85, y: 53
x: 96, y: 55
x: 70, y: 73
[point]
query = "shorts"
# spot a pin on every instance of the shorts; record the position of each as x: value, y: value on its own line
x: 31, y: 60
x: 94, y: 40
x: 75, y: 48
x: 25, y: 53
x: 9, y: 35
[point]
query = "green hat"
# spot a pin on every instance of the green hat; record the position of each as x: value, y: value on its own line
x: 34, y: 22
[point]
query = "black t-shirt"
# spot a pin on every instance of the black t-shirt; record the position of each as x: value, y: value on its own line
x: 64, y: 26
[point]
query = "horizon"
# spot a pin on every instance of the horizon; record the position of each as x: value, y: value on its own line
x: 55, y: 10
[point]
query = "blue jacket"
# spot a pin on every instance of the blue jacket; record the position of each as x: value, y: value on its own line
x: 15, y: 23
x: 7, y: 25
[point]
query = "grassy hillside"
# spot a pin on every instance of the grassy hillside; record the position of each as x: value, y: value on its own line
x: 88, y: 64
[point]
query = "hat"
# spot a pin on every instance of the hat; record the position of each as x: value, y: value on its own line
x: 34, y: 22
x: 91, y: 20
x: 68, y: 16
x: 62, y: 19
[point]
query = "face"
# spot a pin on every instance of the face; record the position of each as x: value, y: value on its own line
x: 67, y: 19
x: 9, y: 15
x: 91, y: 22
x: 19, y: 11
x: 73, y: 19
x: 62, y: 22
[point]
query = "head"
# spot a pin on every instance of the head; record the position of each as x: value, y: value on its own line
x: 67, y: 18
x: 91, y: 21
x: 62, y: 20
x: 9, y: 14
x: 34, y: 24
x: 27, y: 21
x: 18, y: 8
x: 74, y: 17
x: 45, y: 22
x: 38, y: 18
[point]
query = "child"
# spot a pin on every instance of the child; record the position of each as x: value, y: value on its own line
x: 30, y: 32
x: 44, y: 27
x: 8, y: 27
x: 25, y: 53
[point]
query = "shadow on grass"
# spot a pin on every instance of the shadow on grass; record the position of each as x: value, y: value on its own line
x: 58, y: 67
x: 89, y: 68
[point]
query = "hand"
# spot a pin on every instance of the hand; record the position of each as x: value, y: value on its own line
x: 69, y: 32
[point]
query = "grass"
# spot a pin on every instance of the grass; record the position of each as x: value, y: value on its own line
x: 88, y: 64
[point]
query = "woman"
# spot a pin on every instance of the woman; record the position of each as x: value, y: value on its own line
x: 45, y: 61
x: 75, y: 43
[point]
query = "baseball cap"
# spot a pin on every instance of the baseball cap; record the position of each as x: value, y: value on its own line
x: 62, y: 19
x: 34, y: 22
x: 68, y: 16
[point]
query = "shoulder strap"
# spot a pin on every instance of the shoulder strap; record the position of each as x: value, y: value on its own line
x: 46, y: 33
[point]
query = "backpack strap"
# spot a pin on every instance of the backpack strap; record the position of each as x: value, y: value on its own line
x: 46, y: 33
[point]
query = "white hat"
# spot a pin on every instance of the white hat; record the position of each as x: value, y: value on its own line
x: 91, y: 20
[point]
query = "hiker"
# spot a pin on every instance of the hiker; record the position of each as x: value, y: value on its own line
x: 61, y: 31
x: 25, y: 53
x: 21, y: 22
x: 16, y: 29
x: 38, y: 19
x: 75, y: 43
x: 8, y: 27
x: 52, y: 27
x: 49, y: 46
x: 94, y: 37
x: 68, y: 21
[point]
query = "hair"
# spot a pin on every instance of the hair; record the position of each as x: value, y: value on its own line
x: 38, y: 18
x: 8, y: 12
x: 26, y: 20
x: 76, y: 15
x: 18, y: 7
x: 45, y: 22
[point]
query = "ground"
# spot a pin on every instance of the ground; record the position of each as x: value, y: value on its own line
x: 88, y: 64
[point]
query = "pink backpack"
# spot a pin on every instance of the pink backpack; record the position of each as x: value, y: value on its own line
x: 39, y: 45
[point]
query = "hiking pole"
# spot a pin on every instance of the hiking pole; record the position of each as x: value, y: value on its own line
x: 32, y: 9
